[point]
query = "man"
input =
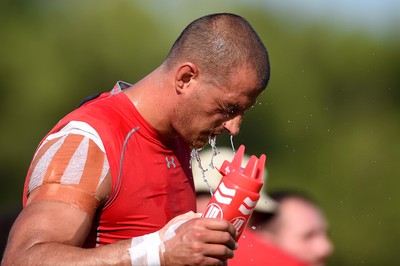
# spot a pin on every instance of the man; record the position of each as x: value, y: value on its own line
x: 107, y: 181
x: 297, y: 226
x: 254, y: 248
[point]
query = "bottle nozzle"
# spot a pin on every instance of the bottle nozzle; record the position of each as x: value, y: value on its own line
x: 254, y: 168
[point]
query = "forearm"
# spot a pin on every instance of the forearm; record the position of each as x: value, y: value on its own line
x: 60, y: 254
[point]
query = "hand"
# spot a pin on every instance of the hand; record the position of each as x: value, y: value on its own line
x: 200, y: 241
x: 168, y: 230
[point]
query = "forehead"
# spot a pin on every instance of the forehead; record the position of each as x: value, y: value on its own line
x: 300, y: 216
x: 242, y: 88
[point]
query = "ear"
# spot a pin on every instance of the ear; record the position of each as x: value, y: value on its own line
x: 185, y: 75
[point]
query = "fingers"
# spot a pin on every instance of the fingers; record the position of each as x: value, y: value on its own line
x: 218, y: 251
x: 220, y: 225
x: 224, y: 239
x: 202, y: 241
x: 210, y: 230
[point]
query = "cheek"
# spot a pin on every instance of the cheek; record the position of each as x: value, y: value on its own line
x: 295, y: 244
x: 181, y: 120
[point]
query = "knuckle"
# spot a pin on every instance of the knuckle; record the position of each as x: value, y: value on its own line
x: 197, y: 233
x: 196, y: 248
x: 225, y: 237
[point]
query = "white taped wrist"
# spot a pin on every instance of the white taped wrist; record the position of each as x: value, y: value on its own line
x: 144, y: 250
x: 170, y: 233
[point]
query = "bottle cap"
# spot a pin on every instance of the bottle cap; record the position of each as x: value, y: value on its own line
x: 251, y: 176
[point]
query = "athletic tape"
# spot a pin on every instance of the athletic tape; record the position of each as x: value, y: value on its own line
x: 170, y: 233
x: 144, y: 250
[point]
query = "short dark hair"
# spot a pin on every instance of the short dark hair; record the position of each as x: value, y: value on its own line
x: 218, y: 44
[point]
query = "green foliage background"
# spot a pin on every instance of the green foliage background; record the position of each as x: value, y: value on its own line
x: 328, y: 122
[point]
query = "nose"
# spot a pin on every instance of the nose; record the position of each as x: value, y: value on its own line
x: 233, y: 125
x: 325, y: 248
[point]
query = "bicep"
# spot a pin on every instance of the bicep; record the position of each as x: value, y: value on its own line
x: 45, y: 222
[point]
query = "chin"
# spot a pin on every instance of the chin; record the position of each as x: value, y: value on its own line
x: 198, y: 144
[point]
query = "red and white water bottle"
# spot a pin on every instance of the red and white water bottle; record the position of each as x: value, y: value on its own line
x: 238, y: 191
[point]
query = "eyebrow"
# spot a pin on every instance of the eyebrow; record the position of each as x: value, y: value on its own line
x: 237, y: 107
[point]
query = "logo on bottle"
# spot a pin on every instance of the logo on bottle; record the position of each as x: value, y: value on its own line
x: 213, y: 211
x: 247, y: 207
x: 238, y: 223
x: 224, y: 195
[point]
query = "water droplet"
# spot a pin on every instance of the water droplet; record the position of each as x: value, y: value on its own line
x: 253, y: 227
x: 233, y: 146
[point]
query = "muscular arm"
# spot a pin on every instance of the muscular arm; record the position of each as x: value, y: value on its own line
x: 51, y: 233
x: 68, y: 181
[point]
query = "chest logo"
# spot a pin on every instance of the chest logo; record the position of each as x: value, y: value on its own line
x: 170, y: 162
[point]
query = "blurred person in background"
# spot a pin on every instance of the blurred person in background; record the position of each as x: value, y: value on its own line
x: 111, y: 183
x: 254, y: 248
x: 297, y: 226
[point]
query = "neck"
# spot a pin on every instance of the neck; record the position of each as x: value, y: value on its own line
x: 152, y: 97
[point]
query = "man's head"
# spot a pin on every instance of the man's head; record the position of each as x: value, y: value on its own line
x: 219, y: 44
x: 298, y: 227
x: 220, y: 66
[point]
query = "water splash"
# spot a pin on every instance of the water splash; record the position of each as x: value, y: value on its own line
x: 233, y: 146
x: 212, y: 140
x: 195, y: 155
